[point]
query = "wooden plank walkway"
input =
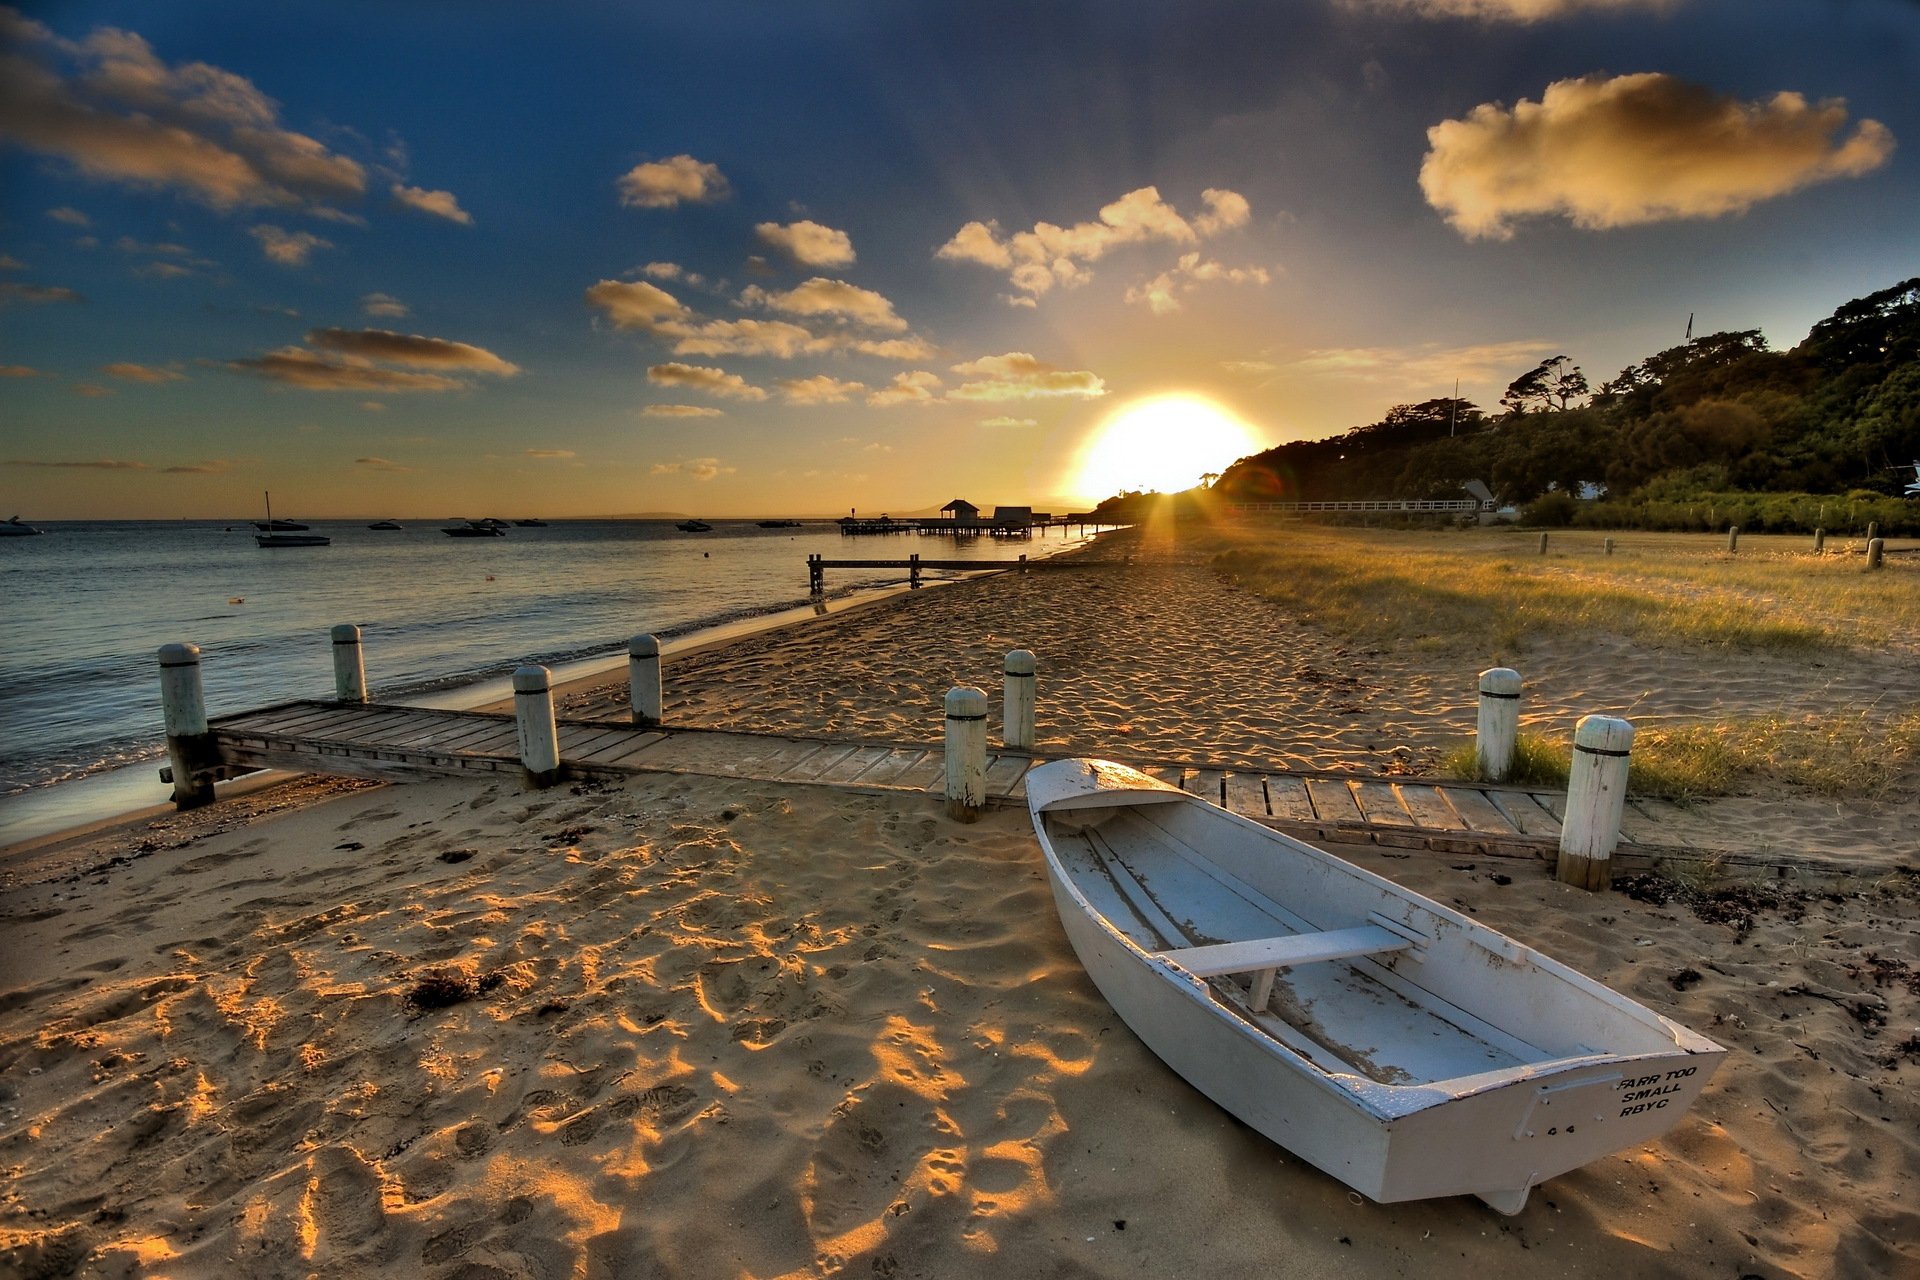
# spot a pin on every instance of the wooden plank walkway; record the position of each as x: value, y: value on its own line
x: 394, y: 741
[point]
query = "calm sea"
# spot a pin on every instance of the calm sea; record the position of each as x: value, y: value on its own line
x: 89, y: 603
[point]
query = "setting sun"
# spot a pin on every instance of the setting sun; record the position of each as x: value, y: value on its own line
x: 1165, y: 443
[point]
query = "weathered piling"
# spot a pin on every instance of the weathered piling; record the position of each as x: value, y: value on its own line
x: 349, y: 664
x: 643, y: 680
x: 1596, y: 800
x: 1876, y: 551
x: 1873, y: 530
x: 1733, y: 538
x: 816, y: 576
x: 1499, y: 722
x: 913, y: 571
x: 533, y: 718
x: 1543, y: 544
x: 966, y: 750
x: 1017, y: 700
x: 1609, y: 546
x: 1819, y: 542
x: 183, y: 705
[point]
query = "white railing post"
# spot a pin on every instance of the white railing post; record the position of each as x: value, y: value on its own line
x: 1876, y: 549
x: 1017, y: 702
x: 643, y: 680
x: 533, y: 718
x: 966, y: 751
x: 1499, y: 725
x: 1596, y: 799
x: 349, y: 664
x: 183, y: 704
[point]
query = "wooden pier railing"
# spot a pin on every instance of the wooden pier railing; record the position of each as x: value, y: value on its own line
x: 915, y: 565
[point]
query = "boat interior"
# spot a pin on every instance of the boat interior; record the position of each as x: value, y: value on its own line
x: 1354, y: 974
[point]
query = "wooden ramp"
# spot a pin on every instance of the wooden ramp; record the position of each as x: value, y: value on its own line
x: 394, y: 741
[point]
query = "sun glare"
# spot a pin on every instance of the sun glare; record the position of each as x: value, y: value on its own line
x: 1165, y: 443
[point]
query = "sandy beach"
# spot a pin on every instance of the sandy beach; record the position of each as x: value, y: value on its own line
x: 691, y: 1027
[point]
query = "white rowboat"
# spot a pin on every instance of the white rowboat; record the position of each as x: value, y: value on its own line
x: 1395, y: 1044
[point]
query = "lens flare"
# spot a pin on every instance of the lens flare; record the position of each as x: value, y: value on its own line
x: 1166, y: 443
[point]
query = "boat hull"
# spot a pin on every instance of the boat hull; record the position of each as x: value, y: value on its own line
x: 1492, y: 1134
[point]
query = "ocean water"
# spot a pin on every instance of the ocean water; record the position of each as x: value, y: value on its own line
x: 88, y: 605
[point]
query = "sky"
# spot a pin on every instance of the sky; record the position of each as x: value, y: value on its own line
x: 736, y: 259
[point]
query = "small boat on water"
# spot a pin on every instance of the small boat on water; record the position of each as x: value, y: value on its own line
x: 16, y: 528
x: 535, y: 523
x: 694, y: 526
x: 1398, y: 1045
x: 475, y: 529
x: 494, y: 522
x: 386, y: 524
x: 778, y: 524
x: 276, y: 533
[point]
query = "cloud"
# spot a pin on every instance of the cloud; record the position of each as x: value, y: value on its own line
x: 698, y: 468
x: 1162, y: 293
x: 18, y: 371
x: 663, y: 270
x: 435, y: 204
x: 1009, y: 422
x: 808, y: 243
x: 10, y: 263
x: 211, y: 467
x: 410, y: 349
x: 1616, y: 152
x: 662, y: 184
x: 682, y: 411
x: 372, y: 406
x: 17, y: 291
x: 1505, y: 10
x: 142, y: 373
x: 382, y: 464
x: 1018, y: 376
x: 72, y: 217
x: 1430, y: 364
x: 551, y: 454
x: 1253, y: 367
x: 162, y: 270
x: 288, y: 248
x: 832, y: 298
x: 93, y: 390
x: 311, y: 371
x: 1050, y: 255
x: 916, y: 387
x: 638, y: 305
x: 111, y: 108
x: 99, y: 464
x: 819, y: 389
x: 696, y: 377
x: 384, y: 305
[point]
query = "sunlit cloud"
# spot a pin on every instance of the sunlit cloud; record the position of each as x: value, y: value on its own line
x: 1051, y: 255
x: 114, y: 110
x: 1009, y: 422
x: 1018, y: 376
x: 1162, y: 294
x: 1430, y: 364
x: 93, y: 390
x: 1621, y: 151
x: 682, y: 411
x: 288, y: 248
x: 159, y: 270
x: 372, y: 406
x: 18, y: 371
x: 19, y: 291
x: 662, y: 184
x: 71, y: 216
x: 211, y: 467
x: 382, y: 464
x: 704, y: 378
x: 435, y: 204
x: 1254, y: 368
x: 831, y: 298
x: 10, y: 263
x: 383, y: 305
x: 697, y: 468
x: 819, y: 389
x: 647, y: 308
x: 548, y: 454
x: 130, y: 372
x: 410, y: 349
x: 97, y: 464
x: 917, y: 387
x: 808, y: 243
x: 311, y: 371
x: 127, y: 244
x: 1506, y: 10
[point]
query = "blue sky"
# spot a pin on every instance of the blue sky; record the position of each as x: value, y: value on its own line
x: 738, y: 259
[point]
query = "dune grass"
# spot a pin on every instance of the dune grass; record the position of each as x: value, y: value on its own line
x: 1489, y: 592
x: 1858, y: 756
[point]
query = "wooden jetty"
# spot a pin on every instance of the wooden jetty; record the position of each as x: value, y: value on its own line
x: 915, y: 565
x: 387, y: 741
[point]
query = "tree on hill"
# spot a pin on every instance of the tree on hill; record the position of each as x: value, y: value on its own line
x: 1551, y: 384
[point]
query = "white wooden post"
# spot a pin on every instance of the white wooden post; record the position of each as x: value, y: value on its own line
x: 1596, y: 799
x: 183, y: 705
x: 643, y: 679
x: 1543, y: 544
x: 1609, y: 545
x: 1873, y: 530
x: 1819, y: 542
x: 1876, y: 548
x: 1017, y: 700
x: 349, y: 665
x: 966, y: 749
x: 1499, y: 721
x: 533, y: 717
x: 1733, y: 538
